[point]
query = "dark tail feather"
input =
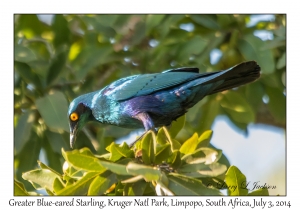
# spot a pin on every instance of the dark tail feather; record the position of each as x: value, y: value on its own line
x: 238, y: 75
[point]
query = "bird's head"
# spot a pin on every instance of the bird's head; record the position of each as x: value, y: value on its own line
x: 79, y: 114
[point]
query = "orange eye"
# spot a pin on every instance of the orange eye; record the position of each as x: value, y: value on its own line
x: 74, y: 116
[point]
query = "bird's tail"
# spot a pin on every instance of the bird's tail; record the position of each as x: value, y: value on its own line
x: 240, y: 74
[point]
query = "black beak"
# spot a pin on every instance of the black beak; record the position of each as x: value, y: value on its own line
x: 73, y: 133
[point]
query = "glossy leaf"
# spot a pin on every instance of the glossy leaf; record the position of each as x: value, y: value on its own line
x: 136, y: 189
x: 175, y: 159
x: 234, y: 177
x: 58, y: 185
x: 102, y: 183
x: 189, y: 145
x: 204, y: 139
x: 149, y: 173
x: 202, y: 155
x: 115, y: 167
x: 44, y: 166
x: 202, y: 170
x: 175, y: 145
x: 19, y: 189
x: 83, y: 160
x: 148, y: 147
x: 177, y: 126
x: 183, y: 185
x: 162, y: 153
x: 41, y: 178
x: 80, y: 187
x: 118, y: 151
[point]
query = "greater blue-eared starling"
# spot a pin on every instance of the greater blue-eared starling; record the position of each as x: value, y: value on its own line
x: 154, y: 100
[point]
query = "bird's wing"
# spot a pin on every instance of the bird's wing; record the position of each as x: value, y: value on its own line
x: 148, y: 83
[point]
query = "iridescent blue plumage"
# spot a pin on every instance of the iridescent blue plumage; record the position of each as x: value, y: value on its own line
x: 154, y: 100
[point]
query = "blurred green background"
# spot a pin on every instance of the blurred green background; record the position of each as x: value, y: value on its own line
x: 59, y: 57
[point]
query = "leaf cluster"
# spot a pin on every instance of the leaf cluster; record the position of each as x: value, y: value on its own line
x: 155, y: 165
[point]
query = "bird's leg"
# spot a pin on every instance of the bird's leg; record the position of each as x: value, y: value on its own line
x: 147, y: 122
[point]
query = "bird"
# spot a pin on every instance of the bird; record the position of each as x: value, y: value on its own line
x: 154, y: 100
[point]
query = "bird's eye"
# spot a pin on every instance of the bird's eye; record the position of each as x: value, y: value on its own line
x: 74, y: 116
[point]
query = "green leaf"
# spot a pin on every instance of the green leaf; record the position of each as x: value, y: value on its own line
x: 192, y: 47
x: 204, y: 139
x: 175, y: 159
x: 183, y: 185
x: 162, y: 189
x: 53, y: 109
x: 153, y: 21
x: 19, y: 189
x: 80, y: 187
x: 148, y: 147
x: 118, y: 151
x: 115, y: 167
x: 58, y: 185
x: 203, y: 155
x: 189, y: 145
x: 22, y: 131
x: 237, y: 107
x: 102, y: 183
x: 30, y: 77
x: 29, y: 25
x: 102, y: 27
x: 277, y: 103
x: 133, y: 179
x: 209, y: 111
x: 149, y: 173
x: 41, y: 178
x: 201, y: 170
x: 93, y: 57
x: 83, y: 160
x: 61, y: 30
x: 281, y: 61
x: 171, y: 20
x: 207, y: 21
x: 175, y: 145
x: 135, y: 189
x: 252, y: 48
x: 24, y: 54
x: 28, y: 162
x: 139, y: 33
x: 234, y: 177
x: 161, y: 137
x: 56, y: 141
x: 44, y: 166
x: 259, y: 192
x: 177, y: 126
x: 57, y: 64
x: 162, y: 153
